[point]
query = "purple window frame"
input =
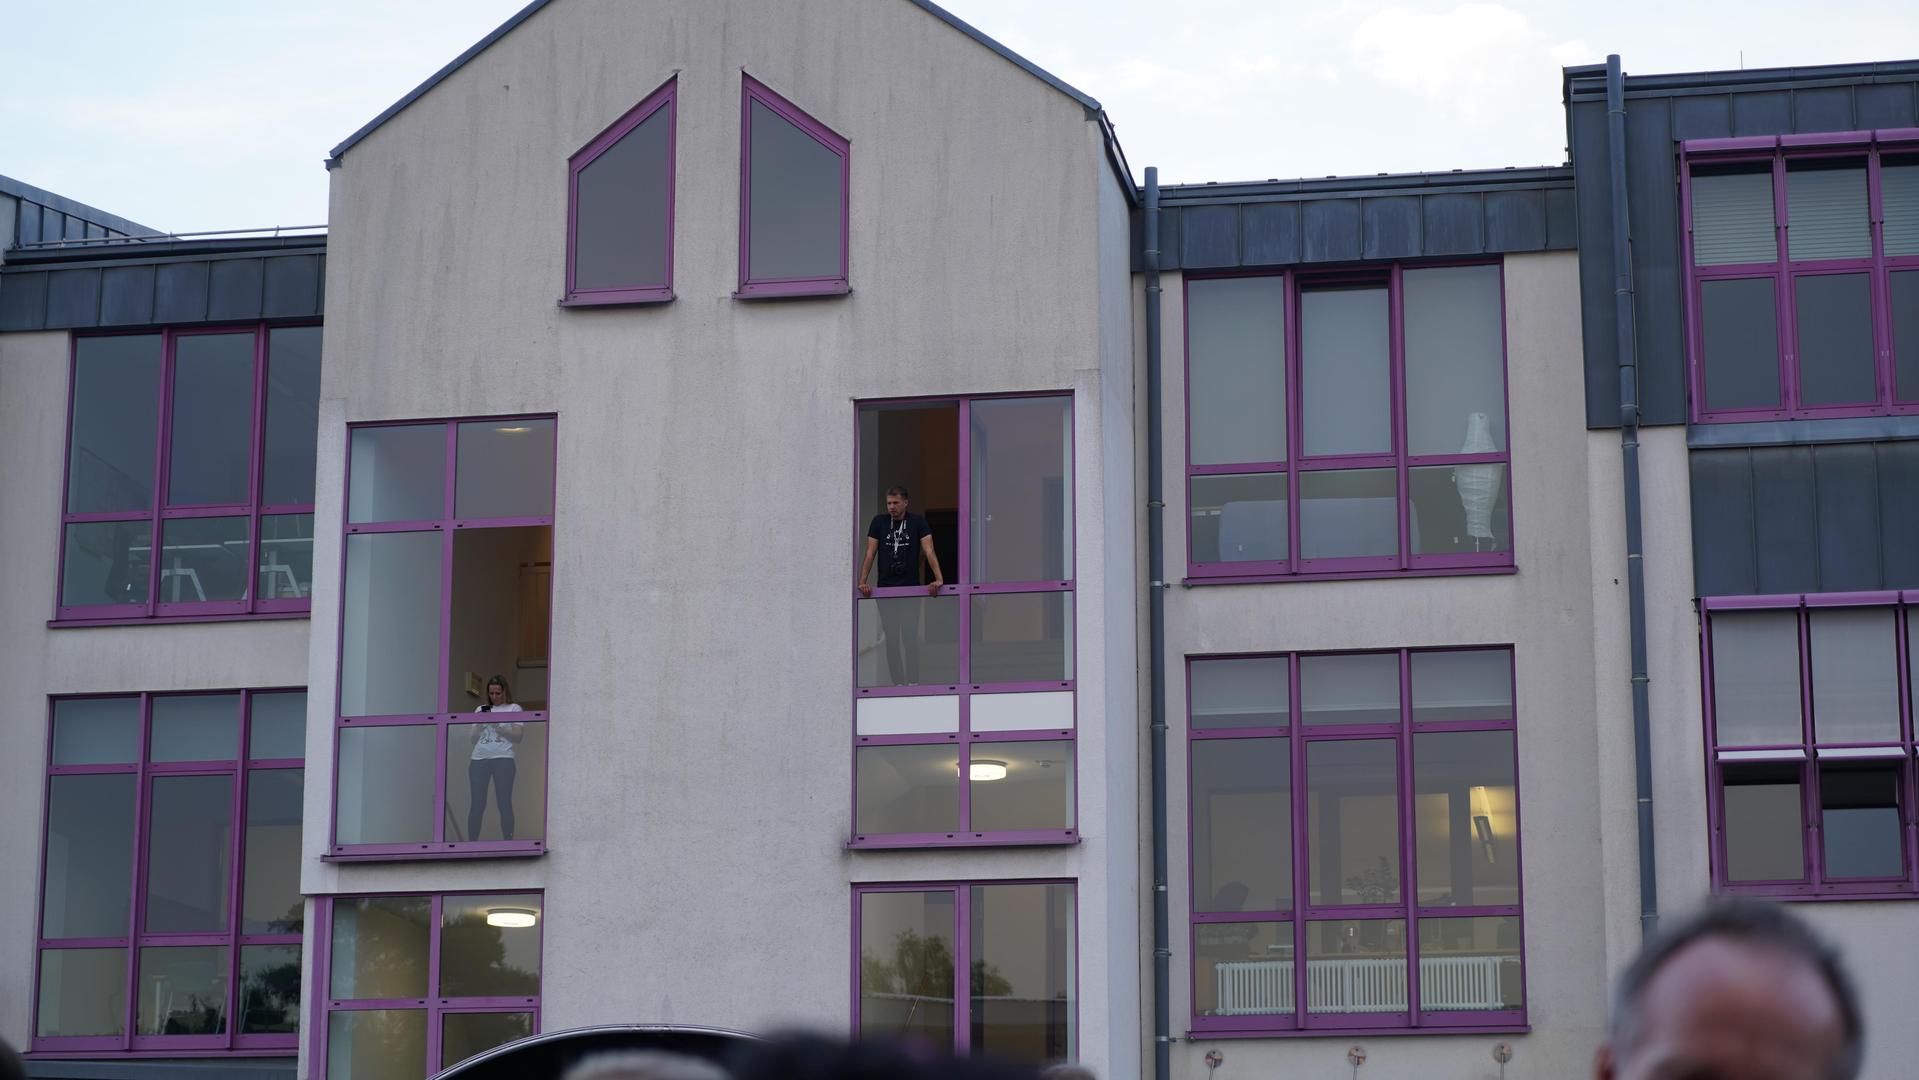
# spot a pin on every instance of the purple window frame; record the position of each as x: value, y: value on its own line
x: 156, y: 516
x: 962, y: 946
x: 436, y: 1007
x: 751, y: 288
x: 444, y: 717
x: 1299, y: 736
x: 1783, y: 271
x: 959, y: 585
x: 128, y: 1043
x: 1809, y: 751
x: 666, y: 97
x: 1399, y: 459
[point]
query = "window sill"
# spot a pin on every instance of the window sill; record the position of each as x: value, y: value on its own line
x: 1350, y: 575
x: 1209, y: 1034
x: 441, y: 852
x: 619, y: 298
x: 1733, y: 432
x: 1804, y: 894
x: 171, y: 620
x: 792, y: 290
x: 907, y: 841
x: 130, y: 1057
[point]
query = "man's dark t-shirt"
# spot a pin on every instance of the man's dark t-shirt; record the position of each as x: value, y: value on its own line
x: 899, y: 552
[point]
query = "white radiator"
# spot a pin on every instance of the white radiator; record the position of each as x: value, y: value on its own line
x: 1361, y: 985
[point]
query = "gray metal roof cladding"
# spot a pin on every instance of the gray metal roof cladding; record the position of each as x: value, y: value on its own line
x: 1662, y: 110
x: 43, y: 215
x: 1275, y: 223
x: 173, y: 282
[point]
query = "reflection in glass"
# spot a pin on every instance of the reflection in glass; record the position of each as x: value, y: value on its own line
x: 504, y: 469
x: 1457, y: 509
x: 195, y: 727
x: 463, y: 1035
x: 106, y: 562
x: 397, y: 474
x: 1022, y: 462
x: 909, y: 641
x: 380, y: 947
x: 1352, y: 822
x: 795, y: 209
x: 906, y: 976
x: 203, y: 559
x: 1470, y: 964
x: 1023, y: 946
x: 1236, y: 370
x: 1344, y: 371
x: 1356, y: 966
x: 1349, y: 688
x: 1241, y: 692
x: 1462, y: 685
x: 390, y: 633
x: 189, y: 854
x: 279, y: 725
x: 1243, y: 969
x: 82, y: 992
x: 1836, y: 350
x: 115, y: 421
x: 89, y: 856
x: 385, y: 785
x: 212, y: 430
x: 496, y: 780
x: 621, y: 220
x: 1740, y: 337
x: 485, y: 951
x: 1755, y: 678
x: 1021, y: 785
x: 376, y: 1044
x: 183, y: 991
x: 1021, y: 637
x: 1860, y: 834
x: 293, y: 416
x: 286, y: 557
x: 270, y: 894
x: 1855, y: 675
x: 1242, y: 825
x: 1466, y: 814
x: 1348, y: 514
x: 906, y: 789
x: 269, y: 989
x: 96, y: 731
x: 1765, y: 831
x: 1455, y: 360
x: 1239, y: 518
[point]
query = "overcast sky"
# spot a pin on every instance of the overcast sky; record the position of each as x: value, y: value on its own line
x: 217, y: 113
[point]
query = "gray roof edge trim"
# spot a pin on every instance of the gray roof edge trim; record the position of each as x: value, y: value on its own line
x: 20, y: 189
x: 1588, y: 81
x: 119, y: 257
x: 335, y: 155
x: 1086, y: 101
x: 1542, y: 177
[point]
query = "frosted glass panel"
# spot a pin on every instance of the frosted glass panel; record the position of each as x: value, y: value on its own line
x: 1346, y: 386
x: 1236, y: 369
x: 1755, y: 678
x: 390, y: 634
x: 908, y: 715
x: 1732, y: 218
x: 1355, y: 688
x: 1241, y: 692
x: 96, y: 731
x: 1455, y: 360
x: 195, y: 727
x: 1049, y: 711
x: 398, y: 474
x: 385, y: 792
x: 1467, y: 684
x: 1826, y: 212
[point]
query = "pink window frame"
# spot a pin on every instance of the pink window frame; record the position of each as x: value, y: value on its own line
x: 128, y: 1043
x: 436, y: 1007
x: 962, y: 947
x: 666, y: 97
x: 1302, y: 913
x: 1866, y: 147
x: 751, y: 288
x: 958, y: 584
x: 156, y: 516
x: 442, y: 718
x: 1809, y: 751
x: 1404, y: 563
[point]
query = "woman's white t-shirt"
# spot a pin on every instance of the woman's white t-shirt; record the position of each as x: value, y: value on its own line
x: 491, y: 744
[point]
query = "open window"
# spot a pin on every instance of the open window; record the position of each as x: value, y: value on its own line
x: 619, y: 239
x: 795, y: 174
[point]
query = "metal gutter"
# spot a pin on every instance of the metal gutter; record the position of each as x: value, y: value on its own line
x: 1628, y: 360
x: 1156, y: 638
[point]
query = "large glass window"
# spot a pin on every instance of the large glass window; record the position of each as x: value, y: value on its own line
x: 963, y: 696
x: 170, y: 906
x: 1346, y: 424
x: 794, y: 179
x: 1809, y: 723
x: 202, y: 441
x: 1359, y: 810
x: 987, y: 968
x: 443, y: 641
x: 415, y: 984
x: 1800, y: 296
x: 619, y: 239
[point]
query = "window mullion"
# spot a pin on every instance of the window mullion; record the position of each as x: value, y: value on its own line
x: 256, y: 465
x: 1396, y: 383
x: 962, y: 968
x: 136, y: 902
x: 962, y: 578
x: 1295, y: 414
x: 1408, y: 826
x: 236, y: 872
x: 162, y: 455
x: 1302, y: 882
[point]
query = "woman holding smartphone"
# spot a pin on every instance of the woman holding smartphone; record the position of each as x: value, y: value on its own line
x: 492, y: 760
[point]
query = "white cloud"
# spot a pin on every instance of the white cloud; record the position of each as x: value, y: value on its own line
x: 1472, y: 55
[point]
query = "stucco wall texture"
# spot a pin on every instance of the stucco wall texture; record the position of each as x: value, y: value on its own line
x: 701, y: 713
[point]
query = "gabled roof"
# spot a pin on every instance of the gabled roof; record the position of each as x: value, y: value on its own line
x: 1091, y: 106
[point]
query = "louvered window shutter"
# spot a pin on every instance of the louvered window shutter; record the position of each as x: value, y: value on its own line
x: 1826, y: 213
x: 1732, y: 219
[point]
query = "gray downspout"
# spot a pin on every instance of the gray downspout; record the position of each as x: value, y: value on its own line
x: 1629, y: 453
x: 1156, y: 641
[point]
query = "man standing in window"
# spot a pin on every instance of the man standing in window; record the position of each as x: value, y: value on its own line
x: 900, y: 540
